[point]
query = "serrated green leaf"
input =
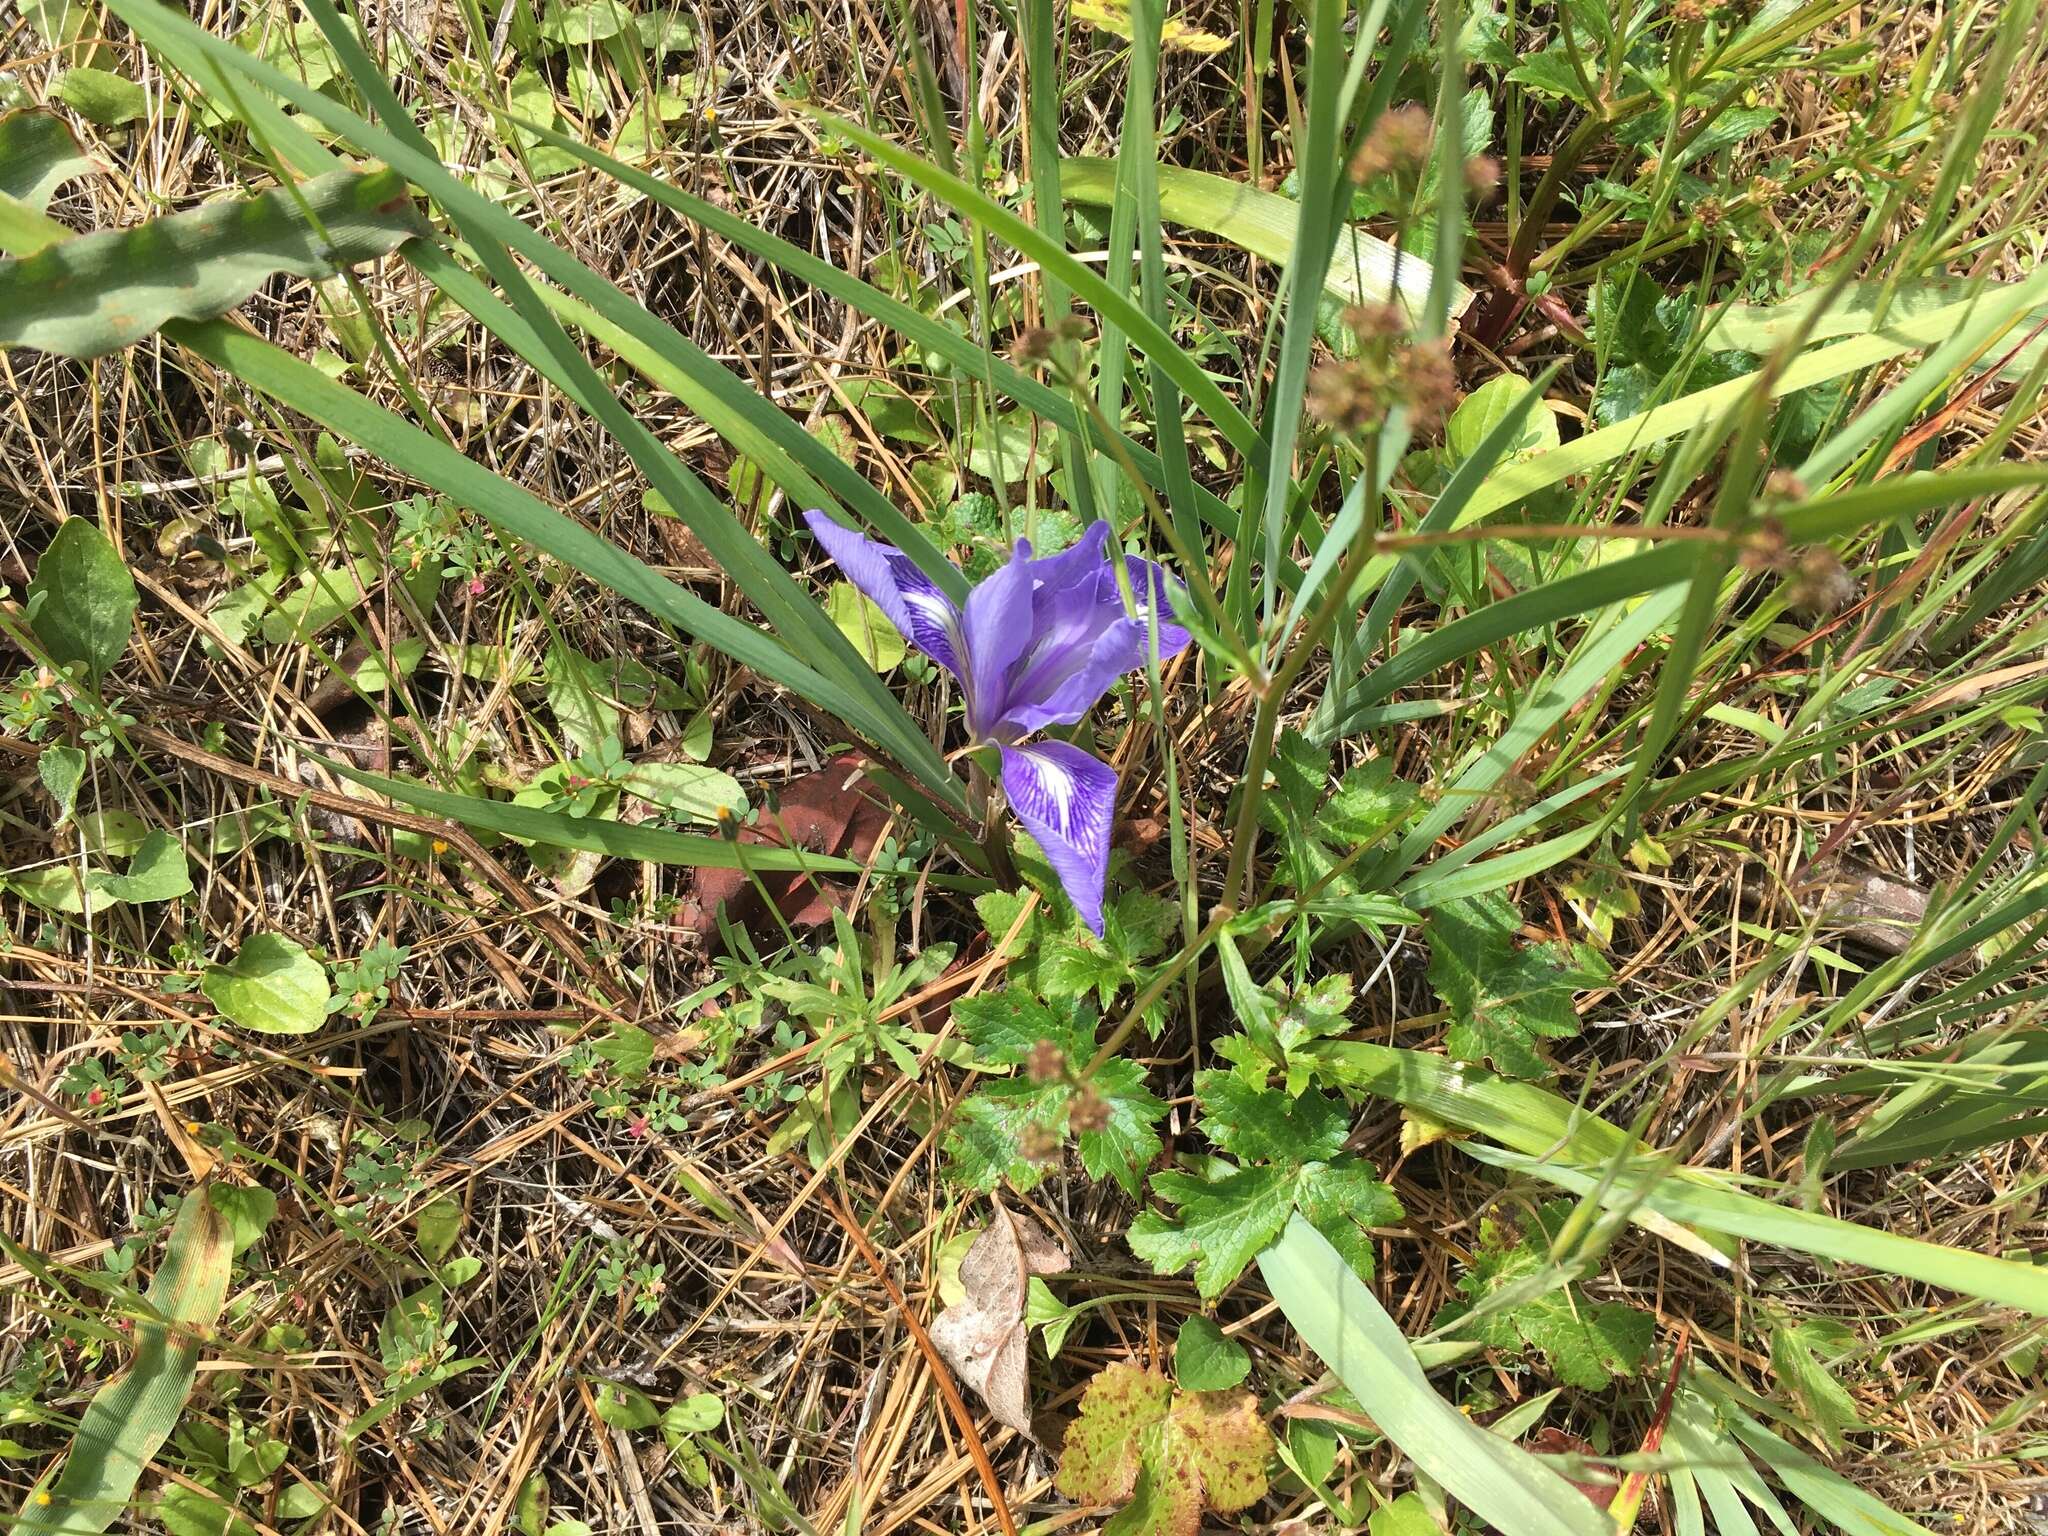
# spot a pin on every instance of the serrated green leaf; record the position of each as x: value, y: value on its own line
x: 1268, y: 1125
x: 1128, y: 1141
x: 628, y: 1049
x: 1343, y: 1199
x: 88, y: 602
x: 96, y: 294
x: 1505, y: 995
x: 1005, y: 1027
x: 998, y: 1125
x: 1798, y: 1355
x: 1218, y: 1226
x: 247, y: 1209
x: 1550, y: 73
x: 1406, y: 1516
x: 1367, y: 803
x: 272, y: 986
x: 1585, y: 1343
x: 1487, y: 407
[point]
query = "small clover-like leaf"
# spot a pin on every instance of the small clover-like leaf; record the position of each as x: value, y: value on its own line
x: 1171, y: 1454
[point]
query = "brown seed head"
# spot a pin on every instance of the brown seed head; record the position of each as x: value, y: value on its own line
x: 1047, y: 1063
x: 1819, y: 584
x: 1089, y: 1112
x: 1398, y: 142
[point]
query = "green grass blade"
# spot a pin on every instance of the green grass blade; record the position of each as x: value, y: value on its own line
x: 645, y: 844
x: 1554, y: 1139
x: 1338, y: 1317
x: 750, y: 566
x: 1512, y: 483
x: 433, y: 462
x: 1323, y: 172
x: 1592, y: 663
x: 129, y: 1418
x: 1363, y: 269
x: 1150, y: 338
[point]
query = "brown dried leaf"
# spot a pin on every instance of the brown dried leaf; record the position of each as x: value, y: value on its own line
x: 1861, y: 903
x: 832, y: 811
x: 1552, y: 1441
x: 983, y: 1335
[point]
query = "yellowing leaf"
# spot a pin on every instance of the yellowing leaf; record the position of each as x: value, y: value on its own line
x: 1171, y: 1454
x: 863, y: 623
x: 1174, y: 33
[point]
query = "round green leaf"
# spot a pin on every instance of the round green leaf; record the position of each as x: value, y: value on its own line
x: 273, y: 987
x: 158, y: 872
x: 689, y: 789
x: 1205, y: 1361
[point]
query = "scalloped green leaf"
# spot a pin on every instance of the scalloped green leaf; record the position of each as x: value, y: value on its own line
x: 101, y: 292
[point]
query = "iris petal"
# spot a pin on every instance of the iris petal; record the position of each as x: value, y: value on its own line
x: 1066, y: 799
x: 908, y: 598
x: 998, y: 629
x: 1079, y: 653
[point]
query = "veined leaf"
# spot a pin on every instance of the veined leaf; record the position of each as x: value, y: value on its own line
x: 99, y: 293
x: 1364, y: 269
x: 132, y: 1415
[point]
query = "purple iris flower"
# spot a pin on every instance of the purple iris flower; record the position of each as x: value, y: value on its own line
x: 1035, y: 644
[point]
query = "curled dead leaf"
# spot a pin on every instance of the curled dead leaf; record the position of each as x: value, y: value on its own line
x: 1861, y: 903
x: 983, y: 1335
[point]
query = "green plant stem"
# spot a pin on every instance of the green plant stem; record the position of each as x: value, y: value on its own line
x: 995, y: 840
x: 1274, y: 687
x: 1156, y: 988
x: 1551, y: 187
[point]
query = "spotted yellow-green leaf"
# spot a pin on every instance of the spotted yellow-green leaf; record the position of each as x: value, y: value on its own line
x: 1171, y: 1454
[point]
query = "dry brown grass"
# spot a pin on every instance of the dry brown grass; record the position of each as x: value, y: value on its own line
x: 765, y: 1296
